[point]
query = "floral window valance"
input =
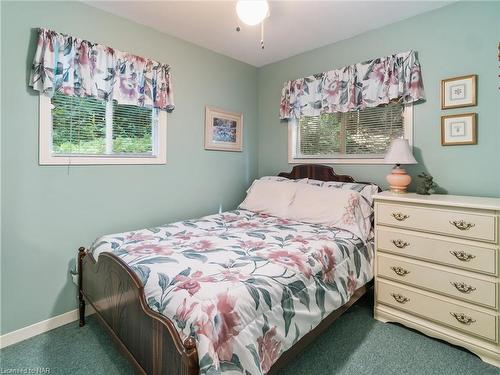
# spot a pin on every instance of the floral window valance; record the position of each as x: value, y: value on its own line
x: 369, y: 84
x: 77, y: 67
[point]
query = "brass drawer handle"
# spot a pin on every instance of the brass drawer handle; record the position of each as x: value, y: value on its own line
x: 400, y: 244
x: 462, y: 225
x: 400, y: 298
x: 400, y: 271
x: 462, y: 255
x: 462, y: 318
x: 462, y: 287
x: 400, y: 216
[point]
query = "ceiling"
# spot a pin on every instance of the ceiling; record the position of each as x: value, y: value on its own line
x: 293, y: 27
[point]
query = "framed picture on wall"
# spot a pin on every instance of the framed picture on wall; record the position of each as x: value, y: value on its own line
x: 459, y: 129
x: 458, y: 92
x: 223, y: 130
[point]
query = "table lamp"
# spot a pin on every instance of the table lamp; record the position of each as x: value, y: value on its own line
x: 399, y: 153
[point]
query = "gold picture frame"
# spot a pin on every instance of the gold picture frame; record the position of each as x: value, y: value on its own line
x: 459, y: 92
x: 459, y: 129
x: 223, y: 130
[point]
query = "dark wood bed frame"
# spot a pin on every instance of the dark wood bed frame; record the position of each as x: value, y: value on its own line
x: 150, y: 340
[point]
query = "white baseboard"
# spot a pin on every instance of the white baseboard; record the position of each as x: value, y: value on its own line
x: 41, y: 327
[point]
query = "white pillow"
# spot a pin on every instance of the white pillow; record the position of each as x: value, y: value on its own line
x: 366, y: 190
x: 269, y: 197
x: 340, y: 208
x: 283, y: 180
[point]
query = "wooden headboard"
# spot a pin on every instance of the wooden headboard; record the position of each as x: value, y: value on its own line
x: 318, y: 172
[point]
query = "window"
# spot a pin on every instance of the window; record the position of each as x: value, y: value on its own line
x: 353, y: 137
x: 76, y: 130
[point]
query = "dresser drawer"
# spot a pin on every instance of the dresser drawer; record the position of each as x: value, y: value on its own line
x: 438, y: 249
x: 466, y: 319
x: 446, y: 221
x: 455, y: 285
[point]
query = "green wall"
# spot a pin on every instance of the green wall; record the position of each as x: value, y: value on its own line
x: 458, y: 39
x: 48, y: 211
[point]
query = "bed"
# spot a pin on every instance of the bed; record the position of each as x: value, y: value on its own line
x: 235, y: 292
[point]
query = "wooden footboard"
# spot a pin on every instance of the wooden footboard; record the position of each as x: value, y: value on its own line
x: 149, y: 339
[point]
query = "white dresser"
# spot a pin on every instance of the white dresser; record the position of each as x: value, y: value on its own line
x: 437, y: 268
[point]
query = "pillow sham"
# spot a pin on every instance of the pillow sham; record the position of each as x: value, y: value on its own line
x: 366, y: 190
x: 282, y: 179
x: 340, y: 208
x: 269, y: 197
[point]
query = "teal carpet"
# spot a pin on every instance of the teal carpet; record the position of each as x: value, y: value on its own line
x: 354, y: 344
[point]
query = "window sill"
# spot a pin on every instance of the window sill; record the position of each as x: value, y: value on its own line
x: 96, y: 160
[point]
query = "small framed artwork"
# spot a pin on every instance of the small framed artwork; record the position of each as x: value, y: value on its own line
x: 223, y: 130
x: 459, y: 129
x: 458, y: 92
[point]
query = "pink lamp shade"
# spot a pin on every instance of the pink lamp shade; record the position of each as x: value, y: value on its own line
x: 399, y: 153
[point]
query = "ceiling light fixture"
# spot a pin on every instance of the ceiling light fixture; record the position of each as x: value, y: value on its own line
x: 253, y: 12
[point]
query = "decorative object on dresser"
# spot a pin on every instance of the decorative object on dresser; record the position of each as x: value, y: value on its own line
x: 459, y: 129
x: 399, y: 153
x: 458, y: 92
x: 426, y: 184
x: 223, y: 130
x: 437, y: 268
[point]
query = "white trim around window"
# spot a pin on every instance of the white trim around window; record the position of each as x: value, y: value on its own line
x: 292, y: 137
x: 47, y: 157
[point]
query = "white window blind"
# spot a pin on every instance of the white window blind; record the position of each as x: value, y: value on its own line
x: 87, y: 126
x: 132, y: 129
x: 360, y: 134
x: 78, y: 125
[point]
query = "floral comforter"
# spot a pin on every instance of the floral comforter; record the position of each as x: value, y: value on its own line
x: 246, y: 286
